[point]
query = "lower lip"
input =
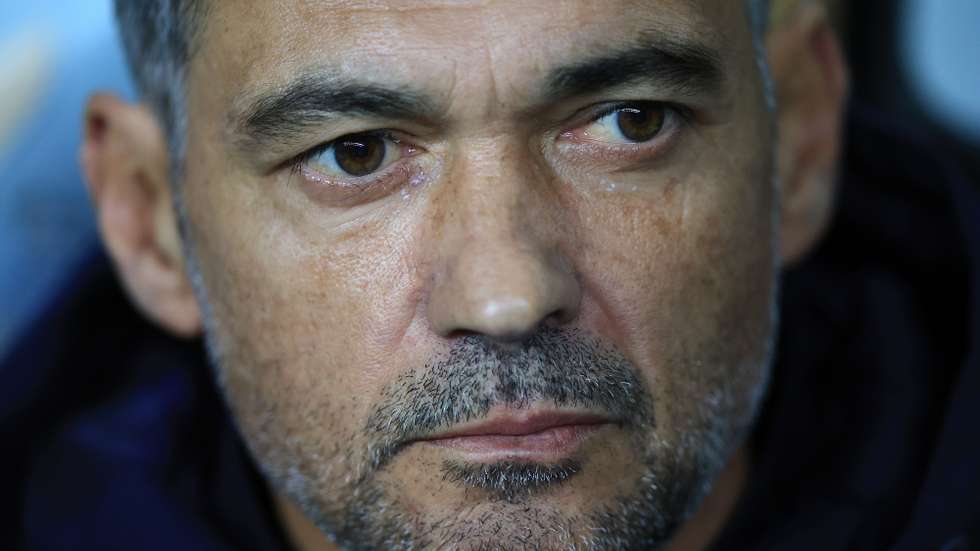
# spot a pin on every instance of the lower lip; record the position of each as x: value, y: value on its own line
x: 552, y: 442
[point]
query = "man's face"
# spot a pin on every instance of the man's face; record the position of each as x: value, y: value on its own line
x: 484, y: 273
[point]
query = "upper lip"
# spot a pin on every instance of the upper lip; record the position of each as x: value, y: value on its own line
x: 519, y: 423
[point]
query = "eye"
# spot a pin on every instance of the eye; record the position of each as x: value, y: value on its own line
x: 629, y: 123
x: 358, y: 168
x: 640, y: 124
x: 354, y: 155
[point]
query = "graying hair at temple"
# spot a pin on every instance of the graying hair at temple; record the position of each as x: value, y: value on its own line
x: 159, y: 38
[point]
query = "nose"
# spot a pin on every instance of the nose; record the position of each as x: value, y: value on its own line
x: 503, y: 292
x: 502, y: 273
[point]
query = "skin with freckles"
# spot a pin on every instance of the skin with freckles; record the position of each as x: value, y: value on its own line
x: 482, y: 274
x: 502, y: 229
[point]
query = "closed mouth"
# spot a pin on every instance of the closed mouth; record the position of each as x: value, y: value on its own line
x: 521, y: 434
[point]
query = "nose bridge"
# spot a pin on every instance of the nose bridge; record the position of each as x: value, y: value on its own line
x: 501, y: 272
x: 499, y: 198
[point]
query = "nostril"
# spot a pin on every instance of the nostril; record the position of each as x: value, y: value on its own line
x: 461, y: 334
x: 559, y: 316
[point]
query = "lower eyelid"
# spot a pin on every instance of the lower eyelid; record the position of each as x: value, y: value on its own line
x: 344, y: 192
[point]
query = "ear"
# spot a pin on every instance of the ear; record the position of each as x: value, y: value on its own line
x: 124, y: 158
x: 810, y: 76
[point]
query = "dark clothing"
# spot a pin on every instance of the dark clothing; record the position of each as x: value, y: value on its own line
x: 115, y: 437
x: 869, y: 438
x: 119, y: 438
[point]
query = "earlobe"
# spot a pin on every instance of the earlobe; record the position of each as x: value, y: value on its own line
x: 810, y: 76
x: 124, y: 158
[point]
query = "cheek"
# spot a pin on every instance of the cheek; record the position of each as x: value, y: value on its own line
x: 305, y: 337
x: 680, y: 259
x: 686, y: 277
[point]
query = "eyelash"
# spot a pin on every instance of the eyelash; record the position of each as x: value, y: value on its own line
x: 676, y: 115
x: 587, y: 151
x: 680, y: 110
x: 301, y: 160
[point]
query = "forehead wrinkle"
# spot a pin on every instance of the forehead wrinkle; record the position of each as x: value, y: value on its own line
x: 420, y: 9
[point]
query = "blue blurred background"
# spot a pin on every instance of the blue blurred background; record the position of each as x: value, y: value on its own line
x: 55, y: 53
x: 919, y: 59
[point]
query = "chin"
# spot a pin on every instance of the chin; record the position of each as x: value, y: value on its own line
x: 610, y: 488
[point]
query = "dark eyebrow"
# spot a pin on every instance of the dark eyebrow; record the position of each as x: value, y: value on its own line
x: 282, y: 115
x: 683, y: 67
x: 313, y: 98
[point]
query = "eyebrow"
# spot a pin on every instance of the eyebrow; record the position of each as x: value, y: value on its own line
x: 317, y: 97
x: 687, y: 68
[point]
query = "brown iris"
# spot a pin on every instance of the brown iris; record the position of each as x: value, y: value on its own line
x: 640, y: 123
x: 359, y: 154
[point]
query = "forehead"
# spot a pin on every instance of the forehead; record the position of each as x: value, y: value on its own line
x: 247, y: 44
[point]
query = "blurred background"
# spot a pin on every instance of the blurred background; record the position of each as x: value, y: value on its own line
x: 917, y: 59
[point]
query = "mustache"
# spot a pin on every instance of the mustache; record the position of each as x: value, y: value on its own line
x: 561, y: 366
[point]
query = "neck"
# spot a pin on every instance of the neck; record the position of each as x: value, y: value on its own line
x: 303, y: 534
x: 717, y: 507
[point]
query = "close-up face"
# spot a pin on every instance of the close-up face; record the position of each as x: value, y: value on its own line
x: 484, y: 274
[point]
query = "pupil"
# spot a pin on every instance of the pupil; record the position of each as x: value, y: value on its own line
x: 640, y: 124
x: 637, y: 117
x: 358, y: 150
x: 360, y: 155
